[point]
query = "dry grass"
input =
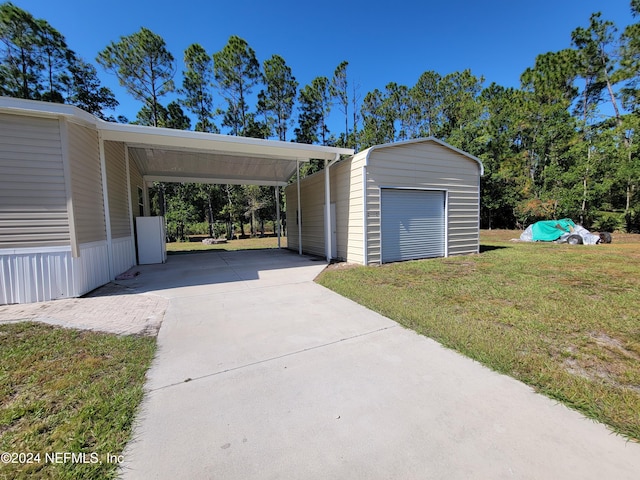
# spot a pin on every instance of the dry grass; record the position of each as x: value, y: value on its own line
x: 561, y: 318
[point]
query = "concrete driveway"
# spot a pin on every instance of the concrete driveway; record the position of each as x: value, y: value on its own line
x: 263, y: 374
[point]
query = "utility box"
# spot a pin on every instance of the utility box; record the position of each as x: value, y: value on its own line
x: 151, y: 239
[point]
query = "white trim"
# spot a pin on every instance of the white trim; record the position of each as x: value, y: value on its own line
x: 32, y: 250
x: 479, y: 212
x: 105, y: 201
x: 278, y: 230
x: 37, y: 108
x: 299, y: 209
x: 139, y: 135
x: 434, y: 189
x: 365, y: 218
x: 327, y: 207
x: 446, y: 223
x: 66, y: 166
x: 327, y: 212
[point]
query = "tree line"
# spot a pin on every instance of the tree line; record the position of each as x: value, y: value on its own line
x: 563, y: 144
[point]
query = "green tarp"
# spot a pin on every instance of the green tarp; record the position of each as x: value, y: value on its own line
x: 550, y: 230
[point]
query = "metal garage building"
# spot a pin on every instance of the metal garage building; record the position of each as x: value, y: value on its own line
x: 400, y: 201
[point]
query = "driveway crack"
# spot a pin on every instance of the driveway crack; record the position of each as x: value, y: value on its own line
x: 271, y: 359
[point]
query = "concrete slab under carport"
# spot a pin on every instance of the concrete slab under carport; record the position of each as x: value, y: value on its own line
x: 216, y: 271
x: 286, y: 379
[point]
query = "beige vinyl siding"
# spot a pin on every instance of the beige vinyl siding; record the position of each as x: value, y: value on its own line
x: 86, y: 184
x: 290, y: 207
x: 346, y: 193
x: 136, y: 182
x: 312, y: 214
x: 340, y: 189
x: 352, y: 218
x: 33, y: 211
x: 431, y: 166
x: 117, y: 189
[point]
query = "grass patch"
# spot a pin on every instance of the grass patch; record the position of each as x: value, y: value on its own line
x: 66, y: 390
x: 563, y: 319
x: 231, y: 245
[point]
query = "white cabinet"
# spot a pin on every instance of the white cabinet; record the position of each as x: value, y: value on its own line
x: 151, y: 240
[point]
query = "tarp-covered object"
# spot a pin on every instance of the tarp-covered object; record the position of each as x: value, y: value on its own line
x: 552, y: 230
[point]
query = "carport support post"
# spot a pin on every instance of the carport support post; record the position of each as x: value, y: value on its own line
x: 278, y: 213
x: 327, y: 207
x: 327, y: 211
x: 299, y: 212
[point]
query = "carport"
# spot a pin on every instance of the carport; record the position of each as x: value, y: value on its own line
x: 167, y: 155
x: 73, y: 185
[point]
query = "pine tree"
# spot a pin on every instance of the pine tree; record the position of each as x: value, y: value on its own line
x: 143, y: 65
x: 277, y: 99
x: 236, y: 71
x: 196, y: 84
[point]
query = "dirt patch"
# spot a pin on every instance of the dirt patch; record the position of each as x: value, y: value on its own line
x: 613, y: 345
x: 342, y: 266
x: 602, y: 359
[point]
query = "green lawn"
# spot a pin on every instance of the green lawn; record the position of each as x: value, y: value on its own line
x: 239, y: 244
x: 66, y: 391
x: 563, y: 319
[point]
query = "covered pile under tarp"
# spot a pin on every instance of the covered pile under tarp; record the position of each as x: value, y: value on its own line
x: 551, y: 230
x: 557, y: 230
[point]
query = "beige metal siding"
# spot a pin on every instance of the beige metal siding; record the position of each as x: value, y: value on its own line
x: 355, y: 227
x: 86, y: 184
x: 136, y: 182
x: 291, y: 207
x: 346, y: 192
x: 117, y: 189
x: 33, y: 205
x: 340, y: 196
x: 431, y: 166
x: 348, y: 212
x: 312, y: 213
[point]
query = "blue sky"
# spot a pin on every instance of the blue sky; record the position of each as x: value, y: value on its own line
x: 383, y: 41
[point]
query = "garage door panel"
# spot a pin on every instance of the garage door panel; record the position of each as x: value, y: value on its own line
x: 412, y: 224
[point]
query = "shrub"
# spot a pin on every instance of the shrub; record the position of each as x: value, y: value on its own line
x: 608, y: 221
x: 197, y: 228
x: 632, y: 221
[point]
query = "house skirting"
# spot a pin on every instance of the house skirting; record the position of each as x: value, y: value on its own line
x: 124, y: 254
x: 48, y: 273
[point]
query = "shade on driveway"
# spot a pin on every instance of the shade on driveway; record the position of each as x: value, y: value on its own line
x: 261, y: 373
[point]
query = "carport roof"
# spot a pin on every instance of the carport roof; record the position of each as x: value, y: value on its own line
x: 169, y: 155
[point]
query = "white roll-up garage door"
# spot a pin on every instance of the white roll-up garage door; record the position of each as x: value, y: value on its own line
x: 413, y: 224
